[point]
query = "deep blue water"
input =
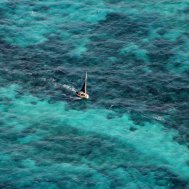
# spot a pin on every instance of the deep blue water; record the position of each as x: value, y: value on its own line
x: 133, y: 132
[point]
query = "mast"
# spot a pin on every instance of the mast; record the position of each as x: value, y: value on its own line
x: 86, y: 83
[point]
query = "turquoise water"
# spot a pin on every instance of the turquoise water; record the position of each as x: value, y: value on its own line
x: 133, y: 131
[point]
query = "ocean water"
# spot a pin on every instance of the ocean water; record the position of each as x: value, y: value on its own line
x: 133, y: 132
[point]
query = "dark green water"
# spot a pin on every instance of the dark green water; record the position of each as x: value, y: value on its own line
x: 133, y: 133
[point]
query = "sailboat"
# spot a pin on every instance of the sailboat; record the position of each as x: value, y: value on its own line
x: 83, y: 92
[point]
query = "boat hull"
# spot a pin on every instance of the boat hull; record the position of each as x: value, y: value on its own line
x: 82, y: 95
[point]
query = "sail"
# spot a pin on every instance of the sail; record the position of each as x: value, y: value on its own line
x: 84, y: 88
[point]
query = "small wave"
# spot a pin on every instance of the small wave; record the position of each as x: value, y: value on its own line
x: 75, y: 98
x: 159, y: 118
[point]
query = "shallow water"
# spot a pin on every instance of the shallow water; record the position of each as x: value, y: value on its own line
x: 132, y: 133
